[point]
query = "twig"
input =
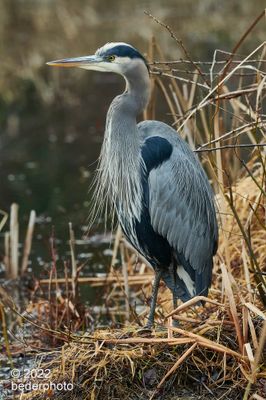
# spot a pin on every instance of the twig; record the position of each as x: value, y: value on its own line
x: 28, y: 242
x: 140, y: 340
x: 4, y: 332
x: 209, y: 343
x: 230, y: 146
x: 176, y: 365
x: 4, y: 219
x: 188, y: 72
x: 181, y: 61
x: 179, y: 42
x: 257, y: 358
x: 125, y: 276
x: 14, y: 241
x: 118, y: 237
x: 192, y: 302
x: 242, y: 39
x: 233, y: 310
x: 179, y: 78
x: 7, y: 254
x: 255, y: 310
x: 73, y: 260
x: 236, y: 130
x: 252, y: 255
x: 227, y: 77
x: 132, y: 279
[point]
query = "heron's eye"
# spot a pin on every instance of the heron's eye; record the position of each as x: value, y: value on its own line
x: 111, y: 58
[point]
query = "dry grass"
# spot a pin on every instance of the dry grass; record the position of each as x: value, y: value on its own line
x: 217, y: 349
x: 121, y: 364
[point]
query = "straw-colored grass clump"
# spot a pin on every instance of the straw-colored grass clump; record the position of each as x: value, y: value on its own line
x: 216, y: 351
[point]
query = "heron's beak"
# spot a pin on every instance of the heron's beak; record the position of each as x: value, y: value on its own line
x: 87, y: 62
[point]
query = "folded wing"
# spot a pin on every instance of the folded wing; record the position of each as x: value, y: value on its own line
x: 181, y: 208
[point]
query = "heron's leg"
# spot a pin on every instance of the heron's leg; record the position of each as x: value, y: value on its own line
x: 158, y: 275
x: 175, y: 322
x: 174, y: 299
x: 174, y: 291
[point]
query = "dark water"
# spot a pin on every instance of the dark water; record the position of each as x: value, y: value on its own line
x: 52, y: 121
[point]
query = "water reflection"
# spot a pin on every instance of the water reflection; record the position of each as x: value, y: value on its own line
x: 51, y: 121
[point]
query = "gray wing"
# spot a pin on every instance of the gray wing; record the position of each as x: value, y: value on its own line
x: 182, y: 210
x: 181, y: 207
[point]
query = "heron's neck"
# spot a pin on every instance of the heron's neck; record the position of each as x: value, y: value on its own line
x: 137, y: 92
x: 120, y: 161
x: 121, y: 125
x: 121, y: 118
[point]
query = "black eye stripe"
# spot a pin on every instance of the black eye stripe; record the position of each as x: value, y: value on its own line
x: 123, y: 51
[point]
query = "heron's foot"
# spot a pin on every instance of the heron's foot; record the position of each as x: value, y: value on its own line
x: 145, y: 331
x: 149, y: 324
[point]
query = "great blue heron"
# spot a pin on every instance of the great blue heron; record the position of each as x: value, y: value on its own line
x: 159, y: 190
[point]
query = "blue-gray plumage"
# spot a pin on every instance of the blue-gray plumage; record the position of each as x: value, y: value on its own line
x: 154, y: 182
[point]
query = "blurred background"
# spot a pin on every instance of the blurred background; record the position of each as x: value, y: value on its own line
x: 52, y: 121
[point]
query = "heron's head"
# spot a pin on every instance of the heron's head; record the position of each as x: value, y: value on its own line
x: 121, y: 58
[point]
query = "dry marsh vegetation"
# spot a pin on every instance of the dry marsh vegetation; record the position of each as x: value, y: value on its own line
x: 218, y: 350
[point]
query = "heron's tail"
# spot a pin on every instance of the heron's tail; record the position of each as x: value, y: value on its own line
x: 174, y: 281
